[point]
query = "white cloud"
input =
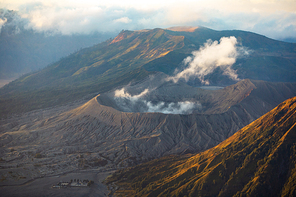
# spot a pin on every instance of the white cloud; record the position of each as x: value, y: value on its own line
x: 272, y: 18
x: 2, y: 22
x: 123, y: 20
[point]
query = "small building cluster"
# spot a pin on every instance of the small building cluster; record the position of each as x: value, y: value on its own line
x: 73, y: 183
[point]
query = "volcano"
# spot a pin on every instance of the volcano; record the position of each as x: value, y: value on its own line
x: 134, y: 55
x: 258, y: 160
x: 114, y: 105
x: 122, y: 135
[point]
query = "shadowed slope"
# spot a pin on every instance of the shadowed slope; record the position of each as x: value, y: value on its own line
x: 259, y: 160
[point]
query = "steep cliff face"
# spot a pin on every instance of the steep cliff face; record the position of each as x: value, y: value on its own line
x: 258, y: 160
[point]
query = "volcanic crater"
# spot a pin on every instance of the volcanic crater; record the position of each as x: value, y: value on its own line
x: 155, y: 94
x: 132, y: 124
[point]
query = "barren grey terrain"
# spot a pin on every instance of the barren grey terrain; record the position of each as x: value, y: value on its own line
x: 109, y: 132
x: 43, y: 186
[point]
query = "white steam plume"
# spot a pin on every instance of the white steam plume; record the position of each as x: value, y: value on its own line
x: 123, y: 93
x: 128, y: 102
x: 209, y: 57
x: 136, y: 103
x: 185, y: 107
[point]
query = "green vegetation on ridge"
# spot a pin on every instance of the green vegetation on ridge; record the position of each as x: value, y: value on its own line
x: 91, y: 70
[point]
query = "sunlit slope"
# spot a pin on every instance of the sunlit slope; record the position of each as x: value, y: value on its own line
x: 132, y: 55
x: 128, y: 51
x: 259, y: 160
x: 95, y: 69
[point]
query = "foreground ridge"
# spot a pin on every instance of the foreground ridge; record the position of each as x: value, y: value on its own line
x: 259, y: 160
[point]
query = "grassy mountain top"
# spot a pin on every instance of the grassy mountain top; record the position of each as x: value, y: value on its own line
x: 259, y: 160
x: 183, y: 28
x: 91, y: 70
x: 101, y: 63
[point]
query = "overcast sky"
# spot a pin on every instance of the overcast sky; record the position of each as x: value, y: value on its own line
x: 273, y: 18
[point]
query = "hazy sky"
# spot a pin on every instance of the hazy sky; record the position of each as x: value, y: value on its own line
x: 273, y: 18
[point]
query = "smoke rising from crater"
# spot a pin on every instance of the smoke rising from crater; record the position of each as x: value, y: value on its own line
x: 122, y: 93
x: 185, y: 107
x: 212, y: 55
x: 137, y: 103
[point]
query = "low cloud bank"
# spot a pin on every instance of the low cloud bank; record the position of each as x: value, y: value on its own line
x: 12, y: 20
x: 275, y: 19
x: 137, y: 103
x: 211, y: 55
x: 2, y: 22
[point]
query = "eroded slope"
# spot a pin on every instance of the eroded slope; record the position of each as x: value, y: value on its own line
x: 259, y: 160
x: 98, y: 136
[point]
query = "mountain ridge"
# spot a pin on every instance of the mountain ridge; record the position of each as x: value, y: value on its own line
x: 258, y: 160
x: 131, y: 56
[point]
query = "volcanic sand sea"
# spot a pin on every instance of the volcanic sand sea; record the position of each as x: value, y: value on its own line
x: 43, y: 186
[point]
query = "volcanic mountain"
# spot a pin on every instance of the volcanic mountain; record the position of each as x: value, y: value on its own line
x: 258, y: 160
x: 127, y: 108
x: 104, y: 133
x: 132, y: 56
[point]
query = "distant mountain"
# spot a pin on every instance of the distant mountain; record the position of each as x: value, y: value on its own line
x: 132, y: 55
x: 258, y: 160
x: 23, y: 50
